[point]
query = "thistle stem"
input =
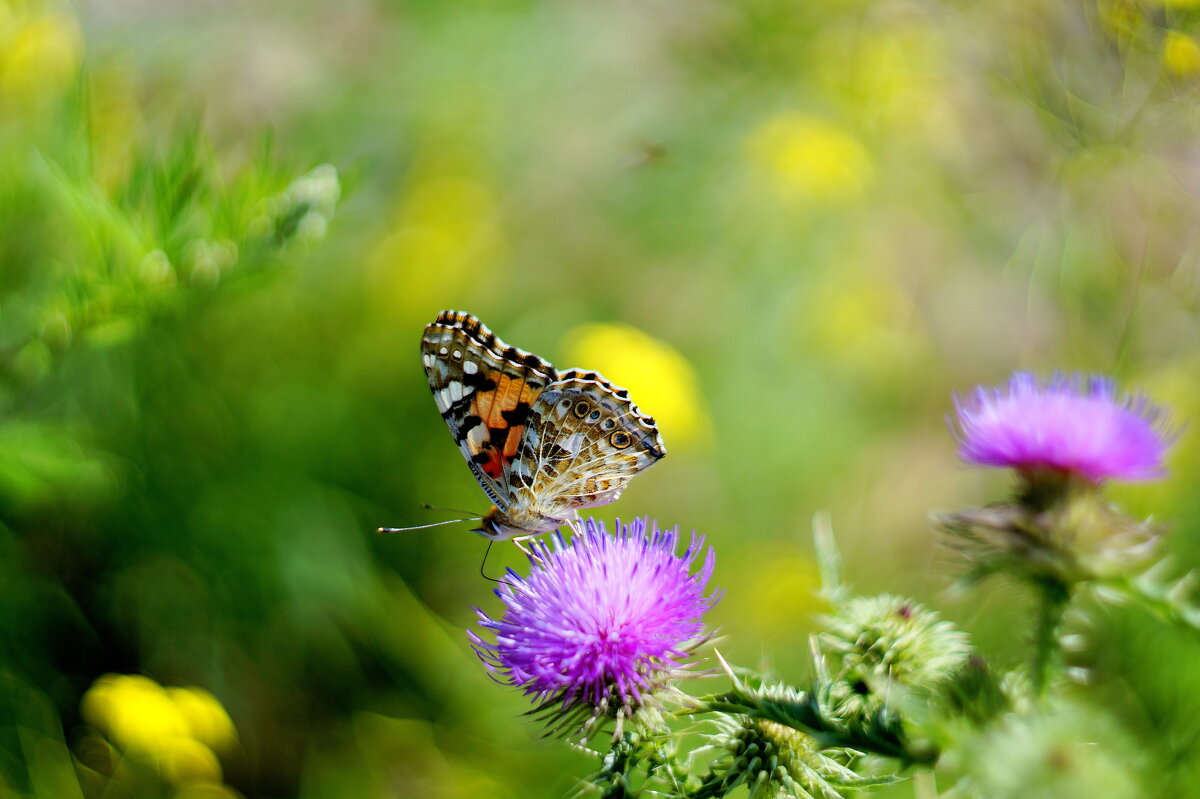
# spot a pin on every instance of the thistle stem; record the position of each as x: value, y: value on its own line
x: 1053, y: 596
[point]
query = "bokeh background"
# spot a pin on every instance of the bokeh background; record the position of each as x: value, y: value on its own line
x: 793, y: 229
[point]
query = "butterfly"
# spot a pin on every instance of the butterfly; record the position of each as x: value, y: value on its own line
x: 542, y: 443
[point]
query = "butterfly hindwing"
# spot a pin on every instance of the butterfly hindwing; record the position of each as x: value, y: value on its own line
x: 584, y: 442
x: 485, y: 390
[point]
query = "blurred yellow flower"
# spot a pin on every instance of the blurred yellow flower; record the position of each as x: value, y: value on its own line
x: 141, y: 716
x: 1120, y: 19
x: 134, y: 711
x: 1180, y: 54
x: 446, y: 234
x: 900, y: 85
x: 185, y: 760
x: 806, y: 158
x: 39, y: 59
x: 659, y: 379
x: 206, y: 720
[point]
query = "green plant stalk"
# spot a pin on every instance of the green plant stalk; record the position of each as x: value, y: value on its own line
x: 1053, y: 596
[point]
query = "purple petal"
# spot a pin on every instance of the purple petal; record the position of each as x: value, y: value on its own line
x: 1073, y: 424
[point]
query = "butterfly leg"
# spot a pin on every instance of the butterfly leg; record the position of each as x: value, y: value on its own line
x: 531, y: 554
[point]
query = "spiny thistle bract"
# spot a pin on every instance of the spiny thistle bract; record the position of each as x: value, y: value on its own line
x: 876, y: 644
x: 602, y: 624
x: 771, y: 760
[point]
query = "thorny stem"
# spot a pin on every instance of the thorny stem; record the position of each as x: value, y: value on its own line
x: 613, y: 778
x: 1053, y: 596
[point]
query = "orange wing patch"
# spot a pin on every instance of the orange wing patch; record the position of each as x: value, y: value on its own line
x: 502, y: 413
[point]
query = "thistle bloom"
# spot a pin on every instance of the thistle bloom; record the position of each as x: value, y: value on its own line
x: 1070, y: 425
x: 602, y: 623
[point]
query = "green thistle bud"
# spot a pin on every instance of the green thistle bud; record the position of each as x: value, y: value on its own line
x: 873, y: 645
x: 772, y: 760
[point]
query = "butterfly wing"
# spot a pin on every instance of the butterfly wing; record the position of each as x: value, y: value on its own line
x: 584, y: 442
x: 485, y: 391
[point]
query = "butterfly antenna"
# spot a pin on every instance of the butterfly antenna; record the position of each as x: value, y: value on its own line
x: 424, y: 526
x: 427, y: 506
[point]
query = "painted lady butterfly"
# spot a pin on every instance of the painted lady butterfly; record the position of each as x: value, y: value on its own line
x: 541, y: 443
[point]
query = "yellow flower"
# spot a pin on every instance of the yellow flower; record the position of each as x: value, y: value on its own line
x: 1120, y: 19
x: 141, y: 716
x: 1180, y: 54
x: 135, y: 712
x: 659, y: 379
x: 185, y: 761
x: 446, y: 235
x: 206, y: 720
x: 40, y: 59
x: 806, y: 158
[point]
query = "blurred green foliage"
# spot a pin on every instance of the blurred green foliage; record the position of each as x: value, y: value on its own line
x: 825, y: 216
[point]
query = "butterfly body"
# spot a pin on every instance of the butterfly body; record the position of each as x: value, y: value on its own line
x: 541, y: 443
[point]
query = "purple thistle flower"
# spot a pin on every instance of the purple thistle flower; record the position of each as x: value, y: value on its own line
x: 602, y: 623
x: 1071, y: 424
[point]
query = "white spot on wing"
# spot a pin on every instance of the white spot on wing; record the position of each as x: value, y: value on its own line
x: 470, y: 367
x: 443, y: 351
x: 572, y: 443
x: 456, y: 390
x: 477, y: 436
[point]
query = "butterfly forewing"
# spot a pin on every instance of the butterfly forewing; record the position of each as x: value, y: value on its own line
x: 485, y: 391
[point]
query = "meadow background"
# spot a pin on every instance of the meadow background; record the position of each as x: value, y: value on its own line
x: 792, y: 229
